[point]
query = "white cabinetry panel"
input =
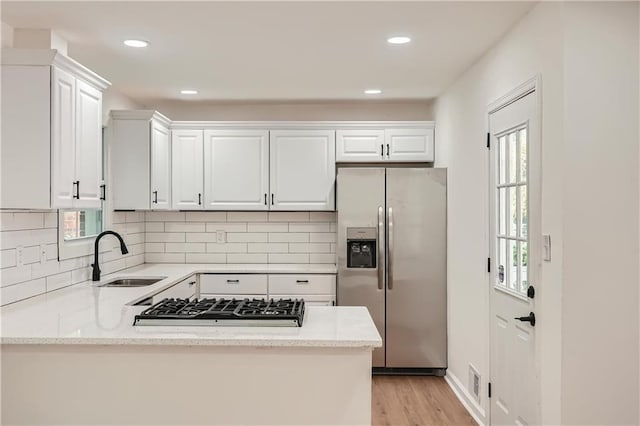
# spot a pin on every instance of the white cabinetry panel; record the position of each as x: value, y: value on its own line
x: 185, y: 289
x: 62, y: 138
x: 187, y: 170
x: 88, y: 151
x: 236, y: 169
x: 410, y: 144
x: 254, y: 284
x: 302, y: 170
x: 160, y: 166
x: 360, y: 145
x: 302, y: 284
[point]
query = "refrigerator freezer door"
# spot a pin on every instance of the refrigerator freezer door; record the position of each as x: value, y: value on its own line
x: 416, y: 311
x: 361, y: 198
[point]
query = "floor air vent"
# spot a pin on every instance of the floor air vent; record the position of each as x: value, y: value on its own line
x: 475, y: 381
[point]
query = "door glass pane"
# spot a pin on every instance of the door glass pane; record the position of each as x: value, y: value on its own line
x: 524, y: 211
x: 502, y: 160
x: 513, y: 162
x: 523, y: 155
x: 502, y: 211
x: 512, y: 252
x: 513, y: 215
x: 502, y: 261
x: 524, y: 260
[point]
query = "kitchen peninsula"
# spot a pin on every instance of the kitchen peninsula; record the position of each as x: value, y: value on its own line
x: 74, y: 357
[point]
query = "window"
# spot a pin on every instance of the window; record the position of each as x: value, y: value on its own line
x: 512, y: 211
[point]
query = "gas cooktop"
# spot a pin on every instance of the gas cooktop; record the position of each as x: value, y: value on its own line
x: 230, y: 312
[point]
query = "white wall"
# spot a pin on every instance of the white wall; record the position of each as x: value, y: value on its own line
x: 376, y: 109
x: 600, y: 207
x: 112, y: 99
x: 587, y: 56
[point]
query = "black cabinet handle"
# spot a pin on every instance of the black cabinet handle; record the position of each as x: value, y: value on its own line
x: 199, y: 199
x: 77, y: 187
x: 192, y: 283
x: 387, y: 150
x: 265, y: 198
x: 382, y: 150
x: 531, y: 319
x: 155, y: 197
x: 302, y: 281
x: 271, y: 199
x: 233, y: 281
x: 103, y: 189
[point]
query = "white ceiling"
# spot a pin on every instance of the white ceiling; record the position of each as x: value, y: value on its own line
x: 274, y: 51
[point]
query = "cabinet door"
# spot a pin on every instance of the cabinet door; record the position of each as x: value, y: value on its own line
x: 409, y: 144
x: 236, y: 175
x: 302, y: 170
x: 360, y: 145
x: 88, y: 146
x: 62, y: 138
x: 160, y: 167
x: 185, y: 289
x: 187, y: 169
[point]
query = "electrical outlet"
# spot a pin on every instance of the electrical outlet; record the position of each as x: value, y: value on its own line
x: 221, y: 236
x: 546, y: 247
x: 43, y: 253
x: 19, y: 256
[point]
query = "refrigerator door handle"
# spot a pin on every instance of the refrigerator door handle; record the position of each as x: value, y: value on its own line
x: 380, y: 248
x: 390, y: 243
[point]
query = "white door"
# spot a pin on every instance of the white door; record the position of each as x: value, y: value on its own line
x: 409, y: 145
x: 360, y: 145
x: 63, y: 86
x: 302, y: 170
x: 515, y: 206
x: 88, y: 146
x: 160, y: 167
x: 187, y: 169
x: 236, y: 172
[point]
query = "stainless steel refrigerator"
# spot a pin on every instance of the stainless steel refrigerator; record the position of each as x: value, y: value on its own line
x: 392, y: 234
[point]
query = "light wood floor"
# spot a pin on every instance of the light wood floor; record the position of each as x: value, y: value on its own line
x: 416, y: 400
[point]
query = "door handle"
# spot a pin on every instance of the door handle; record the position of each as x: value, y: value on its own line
x: 382, y: 150
x: 380, y: 248
x: 265, y: 198
x: 233, y: 281
x: 387, y: 150
x: 531, y: 319
x: 103, y: 190
x: 155, y: 197
x: 302, y: 281
x: 199, y: 199
x: 271, y: 199
x: 390, y: 242
x: 77, y: 194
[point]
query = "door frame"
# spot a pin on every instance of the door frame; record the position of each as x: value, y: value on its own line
x: 532, y: 86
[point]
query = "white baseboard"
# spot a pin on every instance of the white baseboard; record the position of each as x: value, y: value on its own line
x: 476, y: 411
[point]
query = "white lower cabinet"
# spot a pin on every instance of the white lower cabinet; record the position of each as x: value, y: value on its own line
x: 315, y: 289
x: 185, y: 289
x: 310, y: 299
x: 233, y: 284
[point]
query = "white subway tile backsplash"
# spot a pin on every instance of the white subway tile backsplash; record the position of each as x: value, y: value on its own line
x: 289, y: 258
x: 132, y: 239
x: 246, y: 216
x: 118, y: 217
x: 51, y: 220
x: 309, y: 227
x: 84, y: 274
x: 13, y: 239
x: 31, y: 255
x: 247, y: 237
x: 288, y: 216
x: 184, y: 227
x: 166, y: 237
x: 10, y: 276
x: 113, y: 266
x: 10, y: 221
x: 134, y: 260
x: 21, y: 291
x: 324, y: 237
x: 135, y: 228
x: 322, y: 258
x: 164, y: 217
x: 227, y: 227
x: 247, y: 258
x: 39, y: 270
x: 334, y: 227
x: 322, y: 217
x: 154, y: 227
x: 57, y: 281
x: 131, y: 217
x: 52, y: 251
x: 7, y: 258
x: 268, y: 248
x: 154, y: 247
x: 210, y: 237
x: 164, y: 257
x: 226, y: 248
x: 206, y: 216
x: 309, y: 248
x: 185, y: 247
x: 206, y: 258
x: 333, y: 247
x: 288, y: 237
x: 267, y: 227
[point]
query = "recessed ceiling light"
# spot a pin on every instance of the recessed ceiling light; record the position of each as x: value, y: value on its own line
x: 189, y: 92
x: 136, y: 43
x: 373, y: 91
x: 399, y: 40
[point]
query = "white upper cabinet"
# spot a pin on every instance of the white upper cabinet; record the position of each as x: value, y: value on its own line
x: 88, y: 153
x: 409, y: 145
x: 302, y: 170
x: 51, y: 131
x: 236, y: 164
x: 388, y: 145
x: 187, y: 169
x: 360, y: 145
x: 140, y: 147
x: 160, y: 166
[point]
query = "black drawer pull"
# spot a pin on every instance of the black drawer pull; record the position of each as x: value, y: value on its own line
x: 103, y: 190
x: 233, y: 281
x: 192, y: 283
x: 303, y: 281
x: 77, y: 194
x: 155, y: 197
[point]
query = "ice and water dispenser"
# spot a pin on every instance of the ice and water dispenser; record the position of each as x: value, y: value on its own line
x: 361, y: 247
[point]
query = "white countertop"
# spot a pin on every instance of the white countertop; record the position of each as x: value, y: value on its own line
x: 89, y: 314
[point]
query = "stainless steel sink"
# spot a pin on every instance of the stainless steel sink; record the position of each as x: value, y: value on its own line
x: 132, y: 282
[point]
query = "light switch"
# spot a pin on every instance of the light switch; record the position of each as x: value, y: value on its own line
x: 546, y: 247
x: 221, y: 236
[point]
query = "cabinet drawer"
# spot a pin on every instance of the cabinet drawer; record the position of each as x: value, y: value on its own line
x: 302, y: 284
x: 311, y: 300
x: 185, y: 289
x: 233, y: 284
x: 232, y: 296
